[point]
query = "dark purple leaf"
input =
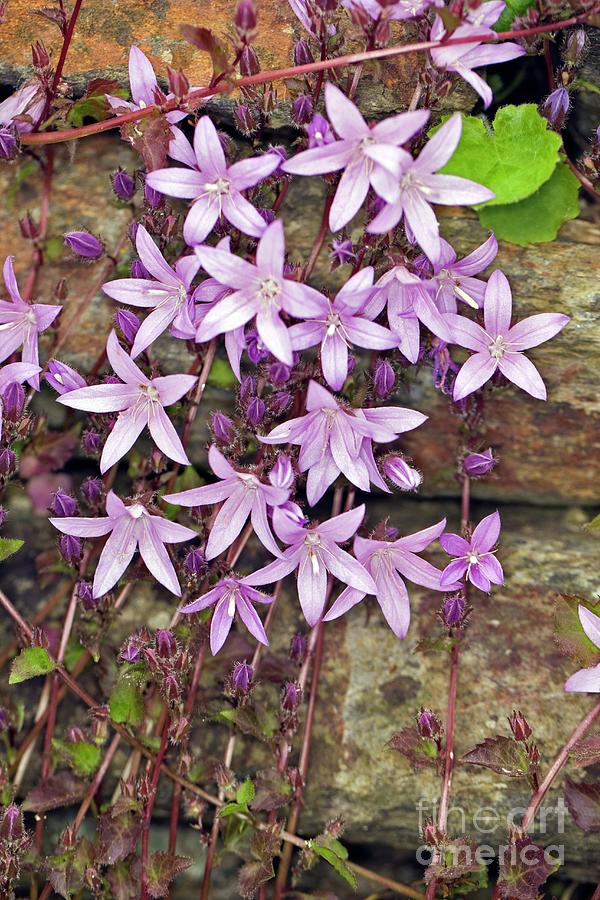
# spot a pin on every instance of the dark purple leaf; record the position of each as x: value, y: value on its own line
x: 272, y: 791
x: 123, y: 883
x: 500, y: 754
x: 61, y: 789
x: 117, y: 836
x: 583, y: 802
x: 586, y: 752
x: 523, y: 870
x: 162, y: 869
x: 419, y: 751
x: 150, y: 137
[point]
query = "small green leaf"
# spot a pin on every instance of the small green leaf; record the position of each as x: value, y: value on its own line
x: 80, y: 756
x: 231, y: 809
x: 513, y: 10
x: 335, y: 854
x: 245, y: 793
x: 126, y: 703
x: 513, y: 159
x: 8, y: 546
x: 221, y: 375
x: 30, y: 662
x: 537, y: 218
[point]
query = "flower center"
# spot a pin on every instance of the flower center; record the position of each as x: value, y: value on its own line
x: 333, y: 323
x: 30, y: 317
x: 231, y: 604
x: 269, y: 290
x: 220, y: 186
x: 498, y: 347
x: 136, y: 511
x: 150, y: 391
x: 473, y: 559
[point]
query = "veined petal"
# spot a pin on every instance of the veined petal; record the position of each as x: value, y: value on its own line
x: 392, y: 597
x: 243, y: 215
x: 153, y: 259
x: 453, y: 573
x: 455, y: 545
x: 419, y: 540
x: 320, y: 160
x: 83, y: 527
x: 276, y: 570
x: 274, y: 335
x: 491, y: 568
x: 334, y: 360
x: 220, y: 625
x: 590, y: 623
x: 320, y: 477
x: 165, y: 436
x: 400, y: 128
x: 200, y: 220
x: 172, y: 388
x: 479, y: 84
x: 219, y: 464
x: 171, y: 532
x: 142, y: 78
x: 347, y: 569
x: 270, y: 253
x: 497, y: 304
x: 123, y: 436
x: 451, y: 190
x: 175, y: 182
x: 474, y: 373
x: 467, y: 333
x: 522, y: 372
x: 230, y: 520
x: 341, y: 527
x: 158, y: 562
x: 181, y: 150
x: 312, y: 587
x: 350, y: 195
x: 535, y: 330
x: 153, y: 326
x: 137, y: 291
x: 485, y: 537
x: 228, y: 314
x: 479, y: 259
x: 301, y: 301
x: 208, y: 149
x: 101, y: 398
x: 347, y: 599
x: 115, y: 557
x: 251, y: 620
x: 227, y: 268
x: 386, y: 219
x: 422, y: 221
x: 260, y: 524
x: 248, y: 172
x: 584, y: 681
x: 343, y: 114
x: 122, y: 363
x: 439, y: 148
x: 205, y: 495
x: 478, y: 577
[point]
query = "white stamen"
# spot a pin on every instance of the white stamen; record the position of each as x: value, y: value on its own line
x: 498, y: 347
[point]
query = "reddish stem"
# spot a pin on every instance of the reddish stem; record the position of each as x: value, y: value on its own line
x: 156, y: 766
x: 38, y: 255
x: 196, y: 97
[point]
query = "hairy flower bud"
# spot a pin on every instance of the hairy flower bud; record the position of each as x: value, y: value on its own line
x: 70, y: 548
x: 256, y: 350
x: 39, y: 55
x: 428, y: 723
x: 574, y: 47
x: 3, y: 516
x: 249, y: 62
x: 556, y: 107
x: 319, y: 132
x: 298, y: 648
x: 171, y: 688
x: 128, y: 324
x: 280, y: 402
x: 28, y: 228
x: 256, y: 410
x: 246, y: 120
x: 279, y: 374
x: 63, y: 378
x: 247, y: 388
x: 9, y: 142
x: 282, y: 474
x: 384, y: 379
x: 401, y: 474
x: 195, y: 561
x: 302, y: 110
x: 241, y: 677
x: 85, y: 595
x: 8, y: 461
x: 291, y: 696
x: 164, y: 640
x: 139, y: 270
x: 13, y: 400
x: 91, y: 442
x: 11, y: 823
x: 453, y: 610
x: 84, y: 244
x: 432, y: 836
x: 63, y: 504
x: 131, y: 651
x: 222, y: 427
x: 302, y: 54
x: 153, y: 198
x: 123, y: 184
x: 179, y: 84
x: 519, y: 726
x: 477, y: 464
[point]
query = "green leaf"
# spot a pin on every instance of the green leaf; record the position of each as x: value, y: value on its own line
x: 84, y: 758
x: 513, y: 160
x: 230, y: 809
x: 594, y: 524
x: 221, y: 375
x: 30, y: 662
x: 8, y: 546
x: 537, y: 218
x: 245, y: 793
x: 126, y: 703
x: 335, y: 854
x: 513, y: 10
x: 502, y: 755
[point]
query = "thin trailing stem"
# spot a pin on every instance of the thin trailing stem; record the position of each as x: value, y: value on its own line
x: 149, y: 806
x: 195, y: 98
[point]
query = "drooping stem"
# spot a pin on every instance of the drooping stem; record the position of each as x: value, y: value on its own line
x: 195, y: 98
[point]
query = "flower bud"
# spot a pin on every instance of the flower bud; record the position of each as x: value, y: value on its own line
x: 195, y: 561
x: 139, y: 270
x: 166, y: 646
x: 179, y: 84
x: 477, y: 464
x: 153, y: 198
x: 291, y: 696
x: 428, y: 723
x: 123, y: 185
x: 39, y: 55
x: 574, y: 47
x: 70, y: 548
x: 556, y: 107
x: 432, y: 836
x: 128, y: 324
x: 519, y: 726
x: 245, y: 20
x: 384, y: 379
x: 84, y: 244
x: 319, y: 132
x: 282, y: 474
x: 178, y: 729
x: 280, y: 402
x: 29, y: 229
x: 171, y: 688
x: 85, y: 595
x: 8, y: 143
x: 13, y: 400
x: 11, y: 824
x: 241, y: 677
x: 91, y: 442
x: 293, y: 513
x: 247, y: 388
x: 401, y: 474
x: 453, y: 610
x: 63, y: 378
x: 246, y: 120
x: 8, y: 461
x: 249, y: 62
x: 222, y: 427
x: 63, y: 504
x: 131, y: 651
x: 302, y: 110
x: 302, y: 54
x: 298, y: 649
x: 341, y: 252
x: 256, y: 410
x: 92, y: 491
x: 256, y: 350
x: 534, y: 756
x: 279, y: 374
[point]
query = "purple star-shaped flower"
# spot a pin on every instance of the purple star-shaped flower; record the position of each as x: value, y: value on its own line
x: 335, y: 439
x: 244, y: 495
x: 14, y: 373
x: 130, y: 527
x: 587, y: 680
x: 497, y: 346
x: 169, y: 295
x: 314, y: 552
x: 139, y: 400
x: 370, y: 156
x: 231, y: 595
x: 339, y: 325
x: 454, y: 278
x: 258, y: 290
x: 419, y: 186
x: 214, y: 186
x: 463, y: 59
x: 143, y: 85
x: 475, y: 558
x: 21, y: 322
x: 386, y: 562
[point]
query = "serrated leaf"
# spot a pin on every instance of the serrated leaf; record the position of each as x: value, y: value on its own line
x: 204, y: 39
x: 523, y: 870
x: 245, y: 793
x: 122, y: 882
x: 31, y: 662
x: 80, y: 756
x: 8, y: 546
x: 594, y: 524
x: 126, y: 703
x: 513, y: 159
x: 230, y: 809
x: 117, y: 836
x: 583, y: 802
x: 66, y: 870
x: 94, y: 105
x: 458, y: 868
x: 536, y: 219
x: 419, y: 751
x: 162, y: 869
x: 62, y: 789
x: 502, y: 755
x: 273, y: 791
x: 586, y: 752
x: 150, y: 137
x: 335, y: 854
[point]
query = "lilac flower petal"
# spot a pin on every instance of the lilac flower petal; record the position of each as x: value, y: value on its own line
x: 485, y: 537
x: 341, y: 527
x: 83, y: 527
x: 590, y: 623
x: 419, y: 540
x: 229, y: 522
x: 123, y: 436
x: 312, y: 586
x: 439, y: 148
x: 343, y: 114
x: 347, y: 569
x: 260, y: 524
x: 153, y: 259
x: 172, y: 388
x: 136, y: 291
x: 219, y: 463
x: 251, y: 620
x: 347, y: 599
x: 175, y: 182
x: 115, y: 557
x: 334, y: 361
x: 393, y: 418
x: 220, y: 625
x: 491, y: 568
x: 8, y: 271
x: 100, y: 398
x: 584, y: 681
x: 228, y: 269
x: 318, y: 397
x: 430, y: 316
x: 320, y: 477
x: 451, y: 190
x: 422, y: 222
x: 385, y: 184
x: 455, y: 545
x: 497, y: 309
x: 479, y: 84
x: 320, y: 160
x: 274, y: 334
x: 243, y: 215
x: 479, y: 259
x: 417, y: 570
x: 300, y: 300
x: 522, y: 372
x: 205, y: 600
x: 453, y: 572
x: 350, y: 195
x: 389, y: 158
x: 478, y: 369
x: 165, y: 436
x: 201, y: 496
x: 535, y: 330
x: 369, y: 334
x: 122, y: 363
x: 171, y: 532
x: 467, y: 333
x: 479, y: 579
x: 229, y: 313
x: 153, y: 326
x: 142, y: 78
x: 181, y: 150
x: 306, y: 334
x: 114, y: 505
x: 200, y: 220
x: 248, y: 172
x: 156, y: 557
x: 490, y: 54
x: 270, y: 253
x: 392, y: 597
x: 387, y: 219
x: 400, y: 128
x: 208, y: 149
